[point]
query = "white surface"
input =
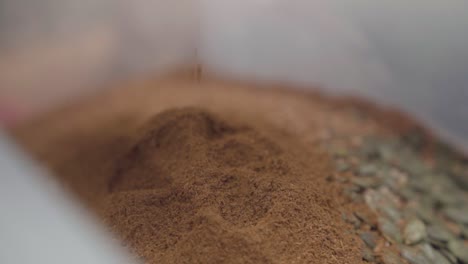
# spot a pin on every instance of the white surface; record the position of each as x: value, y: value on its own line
x: 410, y: 54
x: 40, y: 224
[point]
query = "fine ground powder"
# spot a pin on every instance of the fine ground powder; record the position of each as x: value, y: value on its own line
x: 186, y: 174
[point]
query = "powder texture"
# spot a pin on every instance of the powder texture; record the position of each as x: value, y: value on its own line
x: 196, y: 188
x: 214, y: 183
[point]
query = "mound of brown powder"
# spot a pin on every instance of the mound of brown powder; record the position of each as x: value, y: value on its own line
x: 216, y: 183
x: 196, y: 188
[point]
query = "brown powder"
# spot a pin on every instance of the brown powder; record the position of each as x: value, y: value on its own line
x: 196, y: 188
x: 228, y: 181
